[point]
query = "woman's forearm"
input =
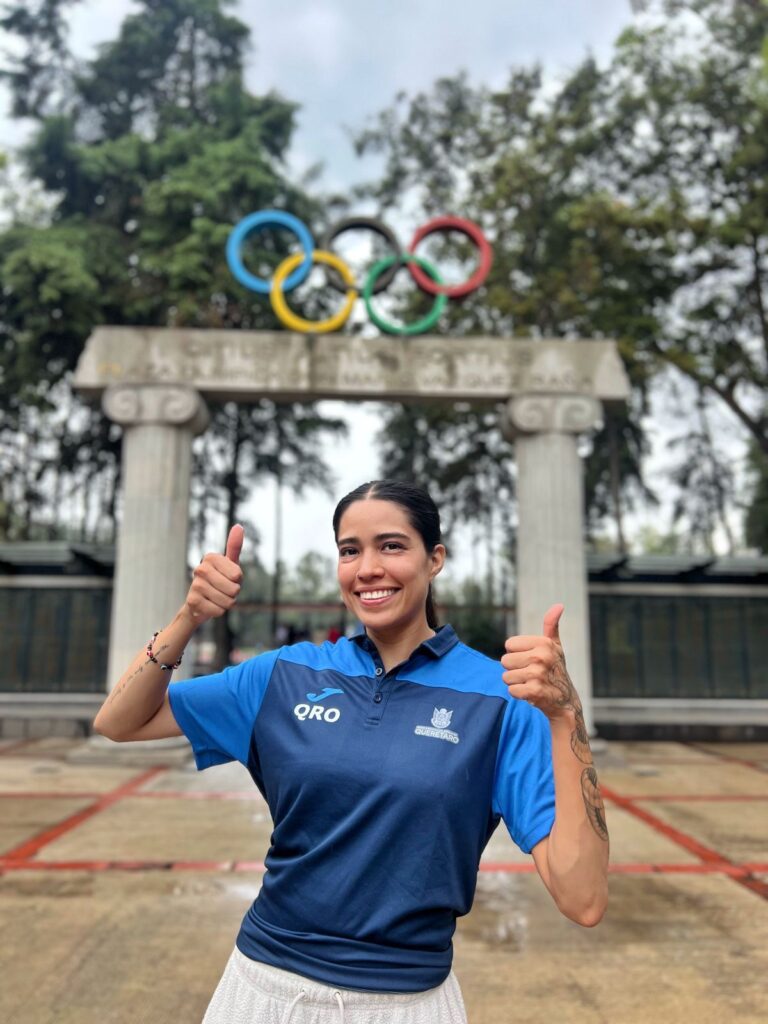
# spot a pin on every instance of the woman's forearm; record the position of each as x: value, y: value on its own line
x: 139, y: 693
x: 578, y: 847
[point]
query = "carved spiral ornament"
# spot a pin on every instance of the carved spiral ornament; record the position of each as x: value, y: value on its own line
x: 560, y: 414
x: 134, y: 405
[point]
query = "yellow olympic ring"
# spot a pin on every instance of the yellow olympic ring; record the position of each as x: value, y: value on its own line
x: 297, y: 323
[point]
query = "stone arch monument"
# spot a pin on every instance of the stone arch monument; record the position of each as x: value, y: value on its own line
x: 154, y: 383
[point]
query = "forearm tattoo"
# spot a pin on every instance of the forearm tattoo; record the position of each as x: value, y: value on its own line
x: 121, y: 687
x: 580, y: 739
x: 570, y: 700
x: 590, y: 789
x: 593, y: 802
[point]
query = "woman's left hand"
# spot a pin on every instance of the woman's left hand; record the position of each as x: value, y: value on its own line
x: 536, y: 672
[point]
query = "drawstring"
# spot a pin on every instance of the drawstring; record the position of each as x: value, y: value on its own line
x: 340, y: 1001
x: 297, y: 999
x: 294, y: 1001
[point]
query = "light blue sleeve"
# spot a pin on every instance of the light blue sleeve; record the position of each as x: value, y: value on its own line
x: 524, y: 784
x: 216, y: 713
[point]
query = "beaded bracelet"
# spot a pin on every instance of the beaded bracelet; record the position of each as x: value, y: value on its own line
x: 151, y: 656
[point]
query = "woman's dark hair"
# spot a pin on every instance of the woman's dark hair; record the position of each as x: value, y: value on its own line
x: 418, y: 506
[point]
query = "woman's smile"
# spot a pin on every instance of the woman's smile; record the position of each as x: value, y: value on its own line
x: 381, y: 595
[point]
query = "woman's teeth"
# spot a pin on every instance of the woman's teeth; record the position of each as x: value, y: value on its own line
x: 376, y: 595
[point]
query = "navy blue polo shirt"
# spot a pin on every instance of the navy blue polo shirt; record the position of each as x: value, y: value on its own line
x: 384, y: 788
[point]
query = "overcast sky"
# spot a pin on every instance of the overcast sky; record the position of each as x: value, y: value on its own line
x: 343, y: 61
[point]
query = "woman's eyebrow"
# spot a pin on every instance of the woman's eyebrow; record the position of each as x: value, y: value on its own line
x: 379, y: 537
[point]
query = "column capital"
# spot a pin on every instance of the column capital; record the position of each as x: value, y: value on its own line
x: 173, y: 405
x: 551, y: 414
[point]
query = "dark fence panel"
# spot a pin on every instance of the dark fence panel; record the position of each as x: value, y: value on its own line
x: 54, y: 639
x: 679, y: 646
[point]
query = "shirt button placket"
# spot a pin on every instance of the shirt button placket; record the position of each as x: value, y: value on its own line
x: 377, y: 697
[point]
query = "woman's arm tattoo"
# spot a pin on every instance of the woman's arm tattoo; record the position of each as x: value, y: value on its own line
x: 580, y: 739
x: 593, y: 802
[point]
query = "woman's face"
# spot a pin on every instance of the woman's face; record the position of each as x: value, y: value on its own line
x: 384, y: 568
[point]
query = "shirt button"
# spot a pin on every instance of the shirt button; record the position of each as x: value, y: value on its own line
x: 377, y: 698
x: 379, y: 670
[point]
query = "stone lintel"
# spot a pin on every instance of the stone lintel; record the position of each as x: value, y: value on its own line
x: 245, y: 365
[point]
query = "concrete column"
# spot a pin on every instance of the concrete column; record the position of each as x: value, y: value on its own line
x: 159, y: 422
x: 551, y: 562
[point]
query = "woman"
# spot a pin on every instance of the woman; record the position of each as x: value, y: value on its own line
x: 387, y: 761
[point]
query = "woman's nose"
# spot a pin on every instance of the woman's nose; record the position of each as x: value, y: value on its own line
x: 369, y: 565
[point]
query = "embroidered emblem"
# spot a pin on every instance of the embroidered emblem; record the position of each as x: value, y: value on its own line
x: 441, y: 718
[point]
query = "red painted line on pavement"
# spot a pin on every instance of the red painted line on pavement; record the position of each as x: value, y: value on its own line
x: 31, y: 846
x: 682, y: 798
x: 94, y: 795
x: 650, y: 761
x: 256, y: 797
x: 48, y: 794
x: 511, y: 868
x: 730, y: 759
x: 16, y: 745
x: 738, y: 871
x: 693, y: 846
x: 6, y: 864
x: 704, y: 853
x: 14, y: 864
x: 755, y: 885
x: 201, y: 865
x: 181, y: 795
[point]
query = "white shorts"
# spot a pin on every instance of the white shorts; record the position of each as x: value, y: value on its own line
x: 251, y: 992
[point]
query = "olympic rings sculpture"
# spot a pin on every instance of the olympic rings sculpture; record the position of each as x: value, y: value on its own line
x: 295, y: 269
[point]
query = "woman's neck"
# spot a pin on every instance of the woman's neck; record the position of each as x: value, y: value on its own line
x: 395, y: 647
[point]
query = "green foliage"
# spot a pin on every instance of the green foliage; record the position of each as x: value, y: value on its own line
x: 313, y: 578
x: 477, y: 623
x: 649, y: 541
x: 148, y: 154
x: 627, y: 202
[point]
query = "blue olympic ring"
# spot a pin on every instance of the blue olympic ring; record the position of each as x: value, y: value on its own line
x: 260, y: 219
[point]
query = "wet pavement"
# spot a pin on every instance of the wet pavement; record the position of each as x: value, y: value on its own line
x: 122, y: 887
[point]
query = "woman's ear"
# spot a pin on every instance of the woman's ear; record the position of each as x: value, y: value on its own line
x: 437, y: 555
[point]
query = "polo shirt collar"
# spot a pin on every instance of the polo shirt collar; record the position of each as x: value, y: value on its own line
x: 444, y: 639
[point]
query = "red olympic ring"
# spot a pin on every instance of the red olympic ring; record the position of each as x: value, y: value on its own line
x: 466, y: 227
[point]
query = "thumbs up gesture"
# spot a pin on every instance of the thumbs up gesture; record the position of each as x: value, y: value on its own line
x: 536, y: 672
x: 217, y: 580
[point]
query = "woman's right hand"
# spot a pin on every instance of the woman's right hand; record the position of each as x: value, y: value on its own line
x: 217, y: 580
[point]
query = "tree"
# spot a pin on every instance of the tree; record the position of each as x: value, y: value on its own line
x: 148, y: 153
x: 565, y: 264
x: 756, y: 523
x: 686, y: 130
x: 625, y: 203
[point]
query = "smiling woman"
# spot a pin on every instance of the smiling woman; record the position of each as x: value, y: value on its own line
x: 387, y: 759
x: 390, y: 550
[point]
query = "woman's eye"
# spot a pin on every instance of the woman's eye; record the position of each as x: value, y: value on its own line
x: 346, y: 551
x: 393, y: 544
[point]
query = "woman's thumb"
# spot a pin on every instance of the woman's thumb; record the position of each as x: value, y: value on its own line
x: 235, y: 543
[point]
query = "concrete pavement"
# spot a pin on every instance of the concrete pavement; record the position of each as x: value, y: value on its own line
x: 122, y: 887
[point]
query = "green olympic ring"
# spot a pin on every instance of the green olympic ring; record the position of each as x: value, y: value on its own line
x: 427, y: 321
